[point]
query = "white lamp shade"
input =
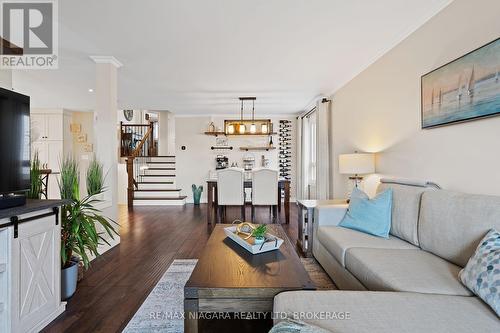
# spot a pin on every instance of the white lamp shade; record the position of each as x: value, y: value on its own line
x: 357, y: 164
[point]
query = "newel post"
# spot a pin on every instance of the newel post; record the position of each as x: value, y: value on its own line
x: 130, y: 183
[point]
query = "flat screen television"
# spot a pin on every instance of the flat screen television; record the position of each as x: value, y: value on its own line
x: 14, y: 143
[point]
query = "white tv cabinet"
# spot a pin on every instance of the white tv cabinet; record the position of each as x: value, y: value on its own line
x: 30, y: 266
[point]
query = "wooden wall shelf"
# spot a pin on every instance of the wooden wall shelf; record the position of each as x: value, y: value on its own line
x: 215, y: 133
x: 257, y: 148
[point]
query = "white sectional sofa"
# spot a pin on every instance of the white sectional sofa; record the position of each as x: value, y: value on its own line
x: 409, y: 282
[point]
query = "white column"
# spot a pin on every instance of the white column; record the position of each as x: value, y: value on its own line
x: 106, y: 127
x: 6, y: 78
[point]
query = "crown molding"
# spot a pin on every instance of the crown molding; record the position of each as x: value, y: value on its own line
x: 106, y: 60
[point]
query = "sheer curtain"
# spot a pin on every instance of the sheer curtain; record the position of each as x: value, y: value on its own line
x: 323, y: 134
x: 313, y: 157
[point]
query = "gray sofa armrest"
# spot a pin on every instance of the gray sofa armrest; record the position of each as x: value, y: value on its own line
x: 329, y: 215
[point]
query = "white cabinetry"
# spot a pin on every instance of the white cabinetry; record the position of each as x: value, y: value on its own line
x: 52, y: 139
x: 30, y: 285
x: 47, y: 126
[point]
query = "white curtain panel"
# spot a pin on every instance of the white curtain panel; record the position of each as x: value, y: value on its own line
x: 323, y: 114
x: 301, y: 180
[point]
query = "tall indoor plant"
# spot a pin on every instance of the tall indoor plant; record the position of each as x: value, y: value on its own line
x: 95, y: 178
x: 36, y: 187
x: 79, y: 235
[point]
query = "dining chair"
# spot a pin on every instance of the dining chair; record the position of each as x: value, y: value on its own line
x: 265, y: 191
x: 230, y: 191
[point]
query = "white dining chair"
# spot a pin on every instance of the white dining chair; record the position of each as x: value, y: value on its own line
x: 230, y: 191
x: 265, y: 191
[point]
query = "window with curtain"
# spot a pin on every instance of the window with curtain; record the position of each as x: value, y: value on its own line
x: 310, y: 154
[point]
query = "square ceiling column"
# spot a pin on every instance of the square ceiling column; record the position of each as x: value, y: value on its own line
x: 105, y: 126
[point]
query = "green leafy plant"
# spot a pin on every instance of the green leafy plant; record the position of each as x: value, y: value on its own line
x: 70, y: 179
x: 36, y: 178
x: 79, y: 219
x: 79, y: 233
x: 95, y: 178
x: 260, y: 231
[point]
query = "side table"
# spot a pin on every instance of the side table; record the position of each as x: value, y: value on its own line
x: 306, y: 220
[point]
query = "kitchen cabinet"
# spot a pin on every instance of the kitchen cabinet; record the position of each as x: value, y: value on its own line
x: 45, y: 127
x: 52, y: 139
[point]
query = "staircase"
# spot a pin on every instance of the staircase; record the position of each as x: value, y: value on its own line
x: 154, y: 182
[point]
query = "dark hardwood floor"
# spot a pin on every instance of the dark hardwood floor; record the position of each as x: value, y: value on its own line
x: 151, y: 238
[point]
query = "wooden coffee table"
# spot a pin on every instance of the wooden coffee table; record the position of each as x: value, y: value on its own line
x: 229, y: 279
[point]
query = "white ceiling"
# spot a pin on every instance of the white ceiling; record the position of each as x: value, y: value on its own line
x: 198, y: 56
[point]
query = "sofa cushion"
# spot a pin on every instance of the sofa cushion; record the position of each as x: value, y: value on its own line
x: 390, y: 312
x: 371, y: 216
x: 296, y: 326
x: 337, y: 240
x: 405, y: 210
x: 482, y: 272
x: 452, y: 224
x: 404, y: 270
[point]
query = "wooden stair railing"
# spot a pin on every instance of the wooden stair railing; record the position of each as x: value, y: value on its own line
x: 138, y: 151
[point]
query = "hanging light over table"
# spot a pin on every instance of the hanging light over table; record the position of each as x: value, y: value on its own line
x: 248, y: 127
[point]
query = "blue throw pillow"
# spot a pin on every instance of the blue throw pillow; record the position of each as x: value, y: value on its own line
x: 482, y: 272
x: 371, y: 216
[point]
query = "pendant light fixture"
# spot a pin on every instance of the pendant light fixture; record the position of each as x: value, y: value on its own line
x: 241, y: 127
x: 248, y: 126
x: 253, y: 128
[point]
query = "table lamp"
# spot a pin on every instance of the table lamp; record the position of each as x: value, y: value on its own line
x: 355, y: 165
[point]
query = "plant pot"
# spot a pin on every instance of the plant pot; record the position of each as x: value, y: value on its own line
x: 69, y: 277
x: 258, y: 240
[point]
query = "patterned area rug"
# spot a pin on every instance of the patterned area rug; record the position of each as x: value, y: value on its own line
x: 162, y: 309
x: 318, y: 274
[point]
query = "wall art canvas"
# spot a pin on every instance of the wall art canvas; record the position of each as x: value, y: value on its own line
x: 88, y: 148
x: 81, y: 138
x: 465, y: 89
x: 75, y: 128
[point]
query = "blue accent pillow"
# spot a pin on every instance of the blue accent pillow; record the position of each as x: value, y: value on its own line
x: 482, y: 272
x: 371, y: 216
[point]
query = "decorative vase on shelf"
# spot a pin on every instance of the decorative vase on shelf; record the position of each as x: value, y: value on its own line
x: 211, y: 127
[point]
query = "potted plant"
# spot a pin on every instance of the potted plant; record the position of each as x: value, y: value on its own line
x: 197, y: 193
x: 95, y: 180
x: 79, y: 235
x: 35, y: 191
x: 259, y: 234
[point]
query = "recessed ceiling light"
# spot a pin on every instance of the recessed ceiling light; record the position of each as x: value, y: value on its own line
x: 91, y: 90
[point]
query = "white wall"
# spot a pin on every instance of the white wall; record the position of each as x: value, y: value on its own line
x: 86, y: 120
x: 379, y: 110
x: 194, y: 163
x: 6, y: 78
x: 166, y: 135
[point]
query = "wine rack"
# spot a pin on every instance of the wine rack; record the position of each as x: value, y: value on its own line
x: 285, y: 149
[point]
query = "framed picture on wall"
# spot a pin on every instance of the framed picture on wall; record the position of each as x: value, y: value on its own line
x: 464, y: 89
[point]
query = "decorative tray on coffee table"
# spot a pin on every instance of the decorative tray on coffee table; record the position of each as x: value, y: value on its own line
x: 270, y: 243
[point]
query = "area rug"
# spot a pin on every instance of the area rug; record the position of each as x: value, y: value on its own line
x: 162, y: 309
x: 317, y: 274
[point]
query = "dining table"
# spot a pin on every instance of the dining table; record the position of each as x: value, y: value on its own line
x: 283, y: 198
